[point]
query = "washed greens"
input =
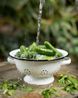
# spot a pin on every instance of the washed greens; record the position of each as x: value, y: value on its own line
x: 48, y: 93
x: 38, y: 52
x: 69, y: 83
x: 9, y: 87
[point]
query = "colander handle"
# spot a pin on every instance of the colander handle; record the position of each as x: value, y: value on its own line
x: 10, y: 60
x: 66, y: 61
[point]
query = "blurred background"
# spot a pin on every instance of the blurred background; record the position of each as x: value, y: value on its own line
x: 18, y: 24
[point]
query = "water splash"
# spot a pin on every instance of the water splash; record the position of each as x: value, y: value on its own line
x: 39, y: 19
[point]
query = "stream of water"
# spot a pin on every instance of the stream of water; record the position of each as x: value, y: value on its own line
x: 39, y: 19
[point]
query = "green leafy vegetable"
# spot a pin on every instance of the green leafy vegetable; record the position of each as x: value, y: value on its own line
x: 41, y: 57
x: 49, y: 92
x: 46, y: 51
x: 9, y: 87
x: 69, y: 83
x: 33, y: 46
x: 23, y: 49
x: 49, y: 46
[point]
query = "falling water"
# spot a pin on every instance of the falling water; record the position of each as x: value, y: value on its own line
x: 39, y: 19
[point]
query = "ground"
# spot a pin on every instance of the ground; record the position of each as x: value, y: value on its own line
x: 8, y: 71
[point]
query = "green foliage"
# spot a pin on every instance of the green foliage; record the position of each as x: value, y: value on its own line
x: 15, y: 4
x: 58, y: 22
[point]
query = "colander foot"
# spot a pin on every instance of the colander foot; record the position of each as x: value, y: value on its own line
x: 38, y: 81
